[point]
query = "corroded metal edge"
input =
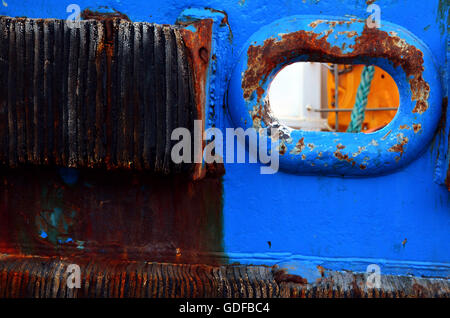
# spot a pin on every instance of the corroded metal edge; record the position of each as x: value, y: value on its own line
x: 198, y: 46
x: 39, y: 277
x: 301, y: 38
x: 105, y: 94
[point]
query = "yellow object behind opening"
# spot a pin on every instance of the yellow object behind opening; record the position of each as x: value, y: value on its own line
x: 383, y: 93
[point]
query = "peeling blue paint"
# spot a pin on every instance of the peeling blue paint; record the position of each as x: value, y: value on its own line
x: 340, y: 223
x: 374, y: 150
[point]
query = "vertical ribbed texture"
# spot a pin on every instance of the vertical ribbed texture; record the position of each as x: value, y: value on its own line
x: 105, y: 94
x: 47, y: 278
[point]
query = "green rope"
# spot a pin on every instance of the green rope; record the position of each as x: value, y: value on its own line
x: 359, y: 108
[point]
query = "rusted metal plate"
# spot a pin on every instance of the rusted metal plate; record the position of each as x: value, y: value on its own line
x: 106, y: 94
x: 198, y: 45
x: 47, y: 278
x: 119, y: 214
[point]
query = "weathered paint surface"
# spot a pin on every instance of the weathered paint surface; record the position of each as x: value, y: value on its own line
x: 107, y: 94
x: 199, y: 46
x: 398, y: 219
x: 46, y: 278
x: 110, y: 214
x: 300, y: 38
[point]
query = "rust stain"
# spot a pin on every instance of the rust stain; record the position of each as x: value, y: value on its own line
x: 315, y: 23
x: 343, y: 157
x: 372, y: 43
x: 282, y: 148
x: 215, y: 169
x: 399, y: 147
x: 419, y: 290
x: 120, y: 215
x: 105, y: 48
x: 349, y: 34
x: 299, y: 146
x: 321, y: 270
x: 376, y: 43
x: 263, y: 59
x: 417, y: 128
x: 280, y: 276
x: 41, y: 277
x: 87, y: 14
x: 198, y: 45
x: 259, y: 92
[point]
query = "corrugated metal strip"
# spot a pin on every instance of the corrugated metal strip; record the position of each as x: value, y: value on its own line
x: 106, y: 94
x: 46, y: 278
